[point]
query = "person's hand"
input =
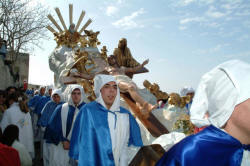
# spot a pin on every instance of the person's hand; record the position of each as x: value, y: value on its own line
x: 76, y: 74
x: 145, y: 62
x: 65, y: 145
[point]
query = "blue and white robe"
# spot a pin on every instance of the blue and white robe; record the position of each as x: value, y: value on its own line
x: 59, y: 129
x: 91, y: 142
x: 210, y: 147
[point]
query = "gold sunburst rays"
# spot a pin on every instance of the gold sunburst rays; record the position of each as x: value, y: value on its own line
x: 70, y: 37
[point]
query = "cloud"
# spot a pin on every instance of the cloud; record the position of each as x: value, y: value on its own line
x: 212, y: 12
x: 206, y: 2
x: 187, y: 2
x: 158, y: 26
x: 212, y: 50
x: 238, y: 55
x: 111, y: 10
x: 184, y: 3
x: 194, y: 19
x: 243, y: 38
x: 182, y: 28
x: 128, y: 22
x: 213, y: 25
x: 245, y: 12
x: 120, y: 1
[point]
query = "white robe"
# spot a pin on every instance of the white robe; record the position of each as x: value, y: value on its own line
x: 119, y: 137
x: 14, y: 115
x: 23, y: 153
x: 60, y: 155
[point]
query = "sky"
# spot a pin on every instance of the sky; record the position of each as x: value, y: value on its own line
x: 183, y: 39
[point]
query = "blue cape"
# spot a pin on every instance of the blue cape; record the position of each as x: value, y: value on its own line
x: 38, y: 102
x: 91, y: 140
x: 47, y: 111
x: 210, y: 147
x: 33, y: 101
x: 41, y: 103
x: 53, y: 132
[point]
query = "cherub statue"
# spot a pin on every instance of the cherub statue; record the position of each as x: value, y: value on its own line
x: 83, y: 41
x: 92, y: 38
x: 174, y: 99
x: 104, y: 53
x: 155, y: 90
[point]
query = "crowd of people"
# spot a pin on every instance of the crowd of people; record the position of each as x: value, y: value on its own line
x: 73, y: 131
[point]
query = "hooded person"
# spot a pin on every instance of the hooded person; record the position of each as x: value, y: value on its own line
x: 34, y: 101
x: 59, y: 128
x: 224, y: 95
x: 50, y: 107
x: 188, y: 91
x: 46, y: 113
x: 33, y: 104
x: 40, y: 103
x: 104, y: 130
x: 44, y: 100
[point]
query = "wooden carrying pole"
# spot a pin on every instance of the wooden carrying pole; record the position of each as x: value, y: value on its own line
x: 152, y: 124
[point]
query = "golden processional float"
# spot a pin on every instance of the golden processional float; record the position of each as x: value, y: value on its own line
x: 77, y: 54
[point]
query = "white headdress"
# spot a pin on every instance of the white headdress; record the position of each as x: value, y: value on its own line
x: 47, y: 88
x: 219, y: 91
x: 185, y: 90
x: 99, y: 81
x: 58, y: 92
x: 69, y: 89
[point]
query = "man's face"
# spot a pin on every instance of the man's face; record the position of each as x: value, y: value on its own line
x: 50, y: 92
x: 2, y: 99
x: 240, y: 116
x: 111, y: 61
x: 56, y: 98
x: 109, y: 92
x: 76, y: 96
x: 11, y: 91
x: 191, y: 95
x: 42, y: 91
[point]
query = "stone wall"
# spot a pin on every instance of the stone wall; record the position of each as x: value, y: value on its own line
x: 21, y: 67
x: 20, y: 70
x: 5, y: 76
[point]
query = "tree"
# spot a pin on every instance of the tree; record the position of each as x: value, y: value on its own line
x: 21, y: 25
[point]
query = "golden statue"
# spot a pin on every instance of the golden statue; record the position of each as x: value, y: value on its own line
x: 69, y: 37
x: 185, y: 100
x: 92, y: 38
x: 155, y: 90
x: 174, y: 99
x: 123, y: 55
x: 104, y: 53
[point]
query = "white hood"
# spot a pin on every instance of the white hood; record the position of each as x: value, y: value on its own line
x: 99, y: 81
